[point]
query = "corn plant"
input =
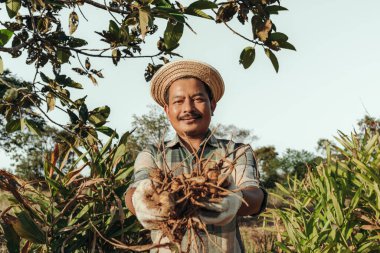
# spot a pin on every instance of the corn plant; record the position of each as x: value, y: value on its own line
x: 336, y: 207
x: 76, y: 213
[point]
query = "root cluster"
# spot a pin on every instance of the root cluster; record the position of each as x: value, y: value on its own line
x: 183, y: 196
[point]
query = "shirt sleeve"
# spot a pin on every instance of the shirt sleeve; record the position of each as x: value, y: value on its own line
x: 144, y: 163
x: 246, y: 173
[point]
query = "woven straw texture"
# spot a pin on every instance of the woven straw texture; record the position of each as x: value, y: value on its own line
x: 175, y: 70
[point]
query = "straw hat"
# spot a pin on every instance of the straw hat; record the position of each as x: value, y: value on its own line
x: 175, y: 70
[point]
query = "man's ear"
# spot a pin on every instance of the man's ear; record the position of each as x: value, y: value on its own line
x: 166, y: 109
x: 213, y: 106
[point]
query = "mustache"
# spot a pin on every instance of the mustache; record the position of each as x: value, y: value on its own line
x: 193, y: 115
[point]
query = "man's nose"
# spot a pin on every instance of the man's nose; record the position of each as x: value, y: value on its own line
x: 188, y: 105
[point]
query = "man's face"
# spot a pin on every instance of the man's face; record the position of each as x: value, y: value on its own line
x: 189, y: 108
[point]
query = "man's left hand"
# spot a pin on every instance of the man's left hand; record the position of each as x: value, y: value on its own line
x: 223, y: 212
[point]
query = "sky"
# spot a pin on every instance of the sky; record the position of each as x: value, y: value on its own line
x: 328, y: 84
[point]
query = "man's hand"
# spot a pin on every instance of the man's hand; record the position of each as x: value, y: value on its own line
x: 151, y: 208
x: 223, y: 212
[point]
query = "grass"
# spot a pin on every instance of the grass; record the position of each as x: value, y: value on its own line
x: 255, y: 238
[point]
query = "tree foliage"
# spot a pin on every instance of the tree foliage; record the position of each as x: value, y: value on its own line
x: 35, y: 28
x: 232, y: 132
x: 267, y: 160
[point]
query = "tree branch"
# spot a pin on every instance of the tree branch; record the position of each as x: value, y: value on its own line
x: 239, y: 34
x: 13, y: 50
x: 81, y: 51
x: 108, y: 9
x: 98, y: 5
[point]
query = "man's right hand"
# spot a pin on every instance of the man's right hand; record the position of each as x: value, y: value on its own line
x: 150, y: 208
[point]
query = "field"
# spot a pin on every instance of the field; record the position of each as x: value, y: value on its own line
x: 255, y: 239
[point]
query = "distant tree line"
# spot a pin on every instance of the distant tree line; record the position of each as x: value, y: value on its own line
x: 27, y: 150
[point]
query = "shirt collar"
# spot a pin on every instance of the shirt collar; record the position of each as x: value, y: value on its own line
x: 212, y: 141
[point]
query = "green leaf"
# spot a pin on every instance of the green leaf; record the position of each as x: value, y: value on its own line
x: 5, y: 36
x: 22, y: 124
x: 1, y: 66
x: 283, y: 247
x: 75, y: 85
x: 13, y: 6
x: 274, y: 9
x: 162, y: 3
x: 56, y: 186
x: 73, y: 117
x: 75, y: 42
x: 67, y: 81
x: 198, y: 13
x: 123, y: 173
x: 173, y: 34
x: 83, y: 113
x: 282, y: 188
x: 103, y: 110
x: 121, y: 149
x: 26, y: 228
x: 113, y: 29
x: 13, y: 125
x: 119, y: 154
x: 44, y: 78
x: 286, y: 45
x: 124, y: 138
x: 82, y: 212
x: 12, y: 238
x: 247, y: 57
x: 33, y: 127
x: 272, y: 58
x: 277, y: 36
x: 63, y: 55
x: 146, y: 2
x: 338, y: 210
x: 10, y: 95
x: 107, y: 131
x: 99, y: 115
x: 169, y: 12
x: 202, y: 5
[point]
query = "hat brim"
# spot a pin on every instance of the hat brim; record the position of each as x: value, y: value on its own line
x: 175, y: 70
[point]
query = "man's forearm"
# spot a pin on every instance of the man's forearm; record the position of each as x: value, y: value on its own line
x: 254, y: 197
x: 128, y: 200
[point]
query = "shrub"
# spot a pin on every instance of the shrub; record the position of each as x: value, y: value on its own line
x: 76, y: 214
x: 336, y: 207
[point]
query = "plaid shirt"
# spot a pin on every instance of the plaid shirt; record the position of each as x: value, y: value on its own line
x: 224, y: 238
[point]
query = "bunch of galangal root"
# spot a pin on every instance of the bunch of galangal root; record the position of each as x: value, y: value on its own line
x: 184, y: 195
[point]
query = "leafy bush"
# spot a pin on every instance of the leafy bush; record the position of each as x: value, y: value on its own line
x: 336, y: 207
x: 78, y: 213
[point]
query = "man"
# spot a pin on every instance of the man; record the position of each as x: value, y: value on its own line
x: 189, y: 91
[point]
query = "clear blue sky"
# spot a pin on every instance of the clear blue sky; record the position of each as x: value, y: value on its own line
x: 327, y: 85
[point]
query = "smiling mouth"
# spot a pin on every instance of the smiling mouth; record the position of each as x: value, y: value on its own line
x: 190, y: 119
